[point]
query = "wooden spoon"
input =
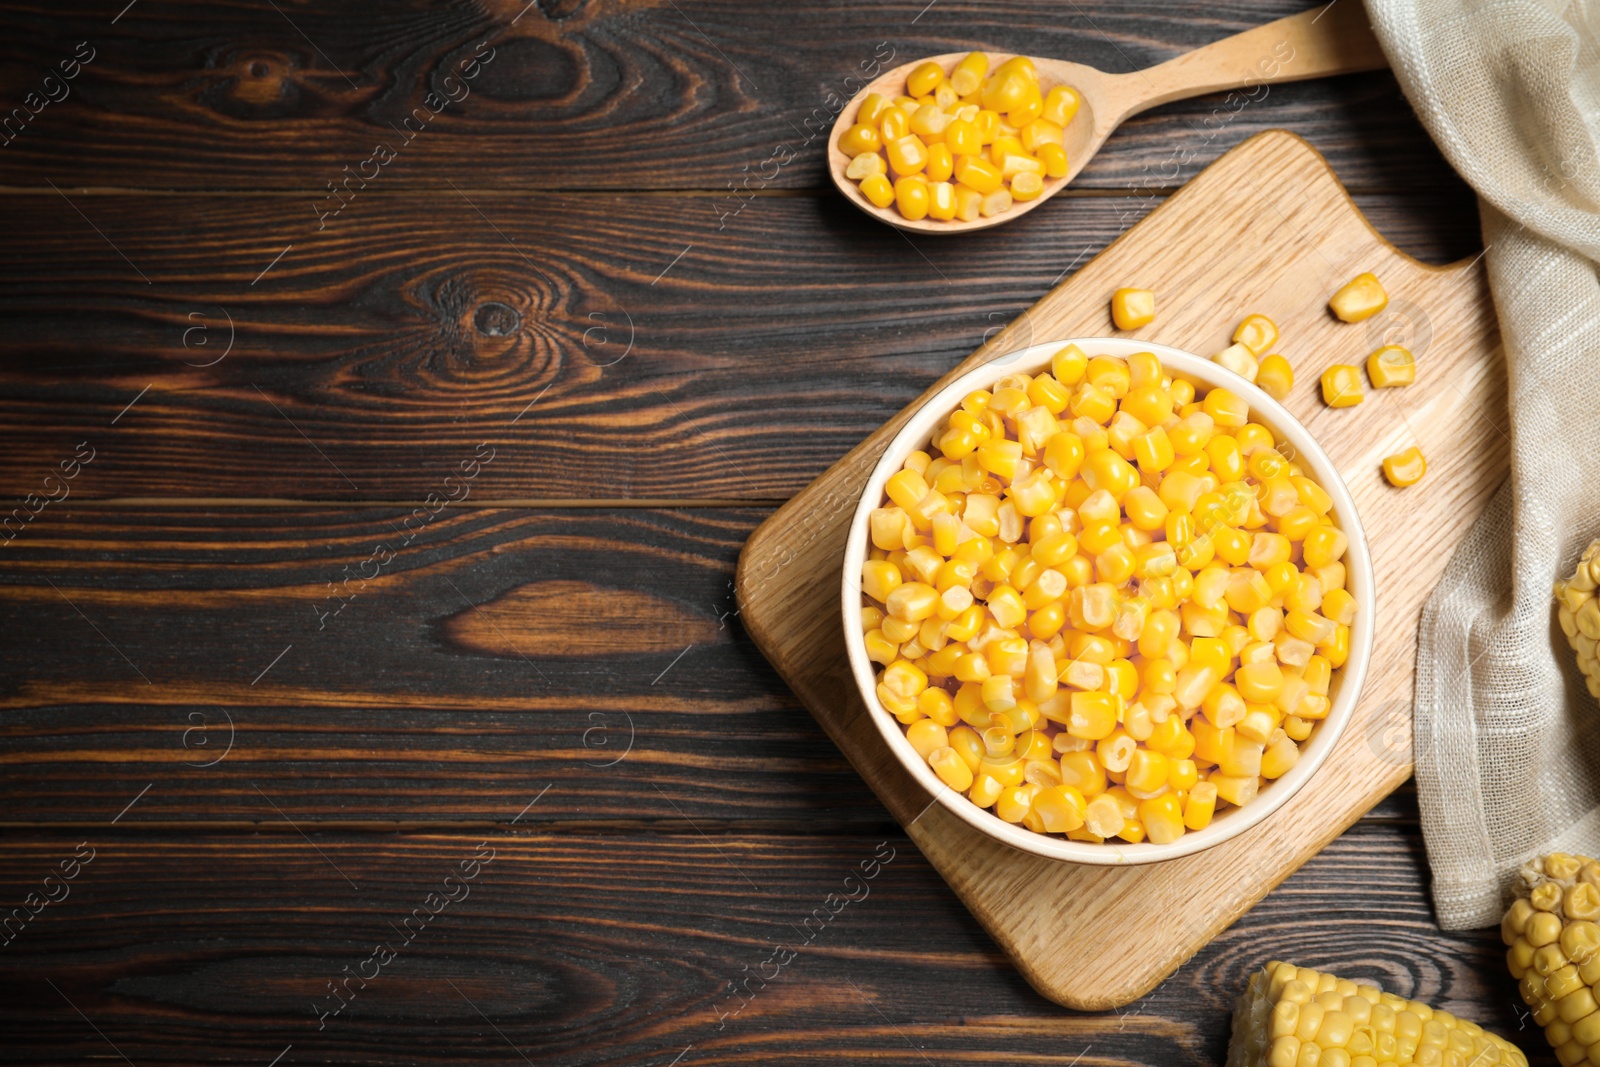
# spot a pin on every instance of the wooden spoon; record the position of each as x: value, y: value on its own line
x: 1333, y: 39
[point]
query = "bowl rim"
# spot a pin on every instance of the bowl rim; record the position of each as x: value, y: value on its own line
x: 1348, y: 680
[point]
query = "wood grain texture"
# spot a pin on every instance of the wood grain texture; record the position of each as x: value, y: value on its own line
x: 453, y: 686
x: 613, y: 94
x: 368, y: 364
x: 1271, y: 224
x: 204, y: 948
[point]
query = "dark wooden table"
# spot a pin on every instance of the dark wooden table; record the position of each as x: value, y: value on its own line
x: 367, y: 603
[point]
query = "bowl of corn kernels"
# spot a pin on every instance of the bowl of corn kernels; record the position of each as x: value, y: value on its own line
x: 1107, y: 601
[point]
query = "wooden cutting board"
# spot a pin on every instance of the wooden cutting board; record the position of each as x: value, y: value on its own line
x: 1267, y: 228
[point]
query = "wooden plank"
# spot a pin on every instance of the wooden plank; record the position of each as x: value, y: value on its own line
x: 370, y: 364
x: 1267, y: 228
x: 578, y: 949
x: 582, y: 95
x: 596, y: 652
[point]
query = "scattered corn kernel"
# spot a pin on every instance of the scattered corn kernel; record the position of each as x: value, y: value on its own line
x: 1077, y: 620
x: 1257, y: 333
x: 1405, y: 468
x: 1361, y: 298
x: 1133, y: 308
x: 942, y: 126
x: 1391, y: 365
x: 1341, y: 386
x: 1293, y: 1016
x: 1275, y: 377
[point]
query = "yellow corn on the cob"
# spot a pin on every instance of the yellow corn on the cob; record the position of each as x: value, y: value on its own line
x: 1555, y: 949
x: 1293, y: 1015
x: 1580, y: 614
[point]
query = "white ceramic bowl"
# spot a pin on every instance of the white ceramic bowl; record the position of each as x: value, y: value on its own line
x: 1346, y: 686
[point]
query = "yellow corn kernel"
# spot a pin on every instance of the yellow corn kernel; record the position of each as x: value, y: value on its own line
x: 1116, y: 751
x: 927, y: 735
x: 967, y: 77
x: 1257, y: 333
x: 1190, y: 434
x: 1014, y: 161
x: 858, y: 139
x: 962, y: 138
x: 908, y: 155
x: 985, y: 790
x: 1339, y: 606
x: 1093, y: 715
x: 1405, y: 468
x: 1069, y: 365
x: 988, y: 122
x: 879, y: 578
x: 911, y: 601
x: 1007, y: 89
x: 1026, y: 186
x: 995, y: 203
x: 1239, y: 359
x: 1047, y: 393
x: 977, y: 173
x: 1110, y: 374
x: 1039, y: 133
x: 1061, y: 808
x: 940, y: 165
x: 924, y: 78
x: 1060, y: 105
x: 1275, y: 377
x: 1337, y: 647
x: 969, y: 203
x: 1390, y: 366
x: 873, y: 108
x: 928, y: 122
x: 937, y: 705
x: 951, y: 768
x: 893, y: 125
x: 1361, y: 298
x: 1103, y: 816
x: 865, y: 166
x: 967, y: 744
x: 1054, y: 158
x: 1082, y: 771
x: 1226, y: 408
x: 1162, y: 818
x: 1133, y: 308
x: 1028, y: 111
x: 1237, y: 790
x: 941, y: 199
x: 877, y: 190
x: 1147, y: 773
x: 879, y: 648
x: 1341, y: 386
x: 1324, y: 545
x: 1201, y: 806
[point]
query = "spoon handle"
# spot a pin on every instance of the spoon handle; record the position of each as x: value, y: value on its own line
x: 1329, y: 39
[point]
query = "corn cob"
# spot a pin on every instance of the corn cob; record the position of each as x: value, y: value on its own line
x: 1555, y: 950
x: 1580, y: 614
x: 1292, y: 1016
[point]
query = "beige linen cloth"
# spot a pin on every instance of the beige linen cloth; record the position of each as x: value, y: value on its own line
x: 1507, y: 738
